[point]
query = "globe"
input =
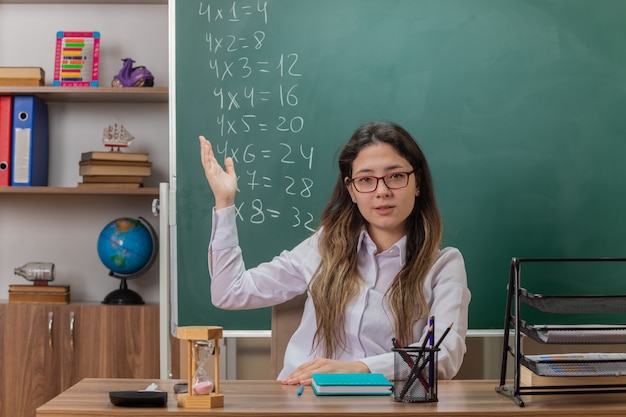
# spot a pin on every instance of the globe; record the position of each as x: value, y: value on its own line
x: 128, y: 248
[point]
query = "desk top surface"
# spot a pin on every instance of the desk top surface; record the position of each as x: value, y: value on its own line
x: 89, y: 398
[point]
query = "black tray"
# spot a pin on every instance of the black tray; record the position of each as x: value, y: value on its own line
x: 575, y: 334
x: 138, y: 398
x: 574, y: 303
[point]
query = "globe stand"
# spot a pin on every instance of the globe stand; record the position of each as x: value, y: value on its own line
x: 123, y: 296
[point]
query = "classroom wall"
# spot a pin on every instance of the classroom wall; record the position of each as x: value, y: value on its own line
x: 64, y: 229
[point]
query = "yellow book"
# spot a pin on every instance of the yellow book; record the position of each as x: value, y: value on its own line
x: 40, y: 288
x: 39, y: 294
x: 114, y: 156
x: 115, y: 163
x: 22, y: 76
x: 115, y: 168
x: 109, y: 185
x: 39, y: 298
x: 113, y: 178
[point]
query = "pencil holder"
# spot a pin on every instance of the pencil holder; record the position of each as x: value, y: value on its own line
x: 415, y: 374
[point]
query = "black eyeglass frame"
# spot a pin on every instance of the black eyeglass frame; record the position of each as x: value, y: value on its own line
x: 407, y: 173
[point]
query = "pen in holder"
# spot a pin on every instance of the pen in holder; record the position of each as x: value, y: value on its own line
x: 415, y: 374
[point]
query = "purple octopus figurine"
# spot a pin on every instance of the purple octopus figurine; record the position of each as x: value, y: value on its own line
x: 130, y: 76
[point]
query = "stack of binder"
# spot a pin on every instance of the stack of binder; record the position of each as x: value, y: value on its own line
x: 114, y: 169
x: 23, y: 141
x: 39, y: 294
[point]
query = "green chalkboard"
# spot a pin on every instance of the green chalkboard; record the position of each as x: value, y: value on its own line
x: 520, y: 106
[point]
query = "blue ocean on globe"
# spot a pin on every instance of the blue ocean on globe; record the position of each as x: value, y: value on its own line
x: 125, y: 246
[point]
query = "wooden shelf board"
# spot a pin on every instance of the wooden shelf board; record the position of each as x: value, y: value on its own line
x: 147, y: 191
x: 93, y: 94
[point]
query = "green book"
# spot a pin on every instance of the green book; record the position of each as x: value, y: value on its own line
x: 351, y: 384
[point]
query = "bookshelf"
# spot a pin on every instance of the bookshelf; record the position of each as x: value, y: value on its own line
x: 60, y: 223
x: 562, y: 373
x: 77, y: 117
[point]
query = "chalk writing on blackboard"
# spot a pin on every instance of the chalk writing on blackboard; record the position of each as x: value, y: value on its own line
x: 255, y: 111
x: 232, y: 12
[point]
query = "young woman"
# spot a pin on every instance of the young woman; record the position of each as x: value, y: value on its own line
x: 373, y: 270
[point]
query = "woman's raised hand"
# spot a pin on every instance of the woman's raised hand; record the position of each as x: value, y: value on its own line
x: 223, y: 182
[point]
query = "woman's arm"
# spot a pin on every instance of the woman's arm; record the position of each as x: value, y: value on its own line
x: 232, y: 286
x: 235, y: 287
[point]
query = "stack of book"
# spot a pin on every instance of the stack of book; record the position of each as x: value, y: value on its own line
x: 22, y: 76
x: 39, y: 294
x: 114, y: 169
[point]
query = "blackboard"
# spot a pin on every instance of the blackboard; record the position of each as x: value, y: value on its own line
x: 520, y: 106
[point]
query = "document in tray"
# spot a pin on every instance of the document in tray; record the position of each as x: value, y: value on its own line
x: 582, y: 334
x: 579, y: 364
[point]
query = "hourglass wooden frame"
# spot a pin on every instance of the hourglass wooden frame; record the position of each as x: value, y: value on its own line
x: 192, y: 334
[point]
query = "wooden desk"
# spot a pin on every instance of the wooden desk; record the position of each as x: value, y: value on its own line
x: 89, y: 398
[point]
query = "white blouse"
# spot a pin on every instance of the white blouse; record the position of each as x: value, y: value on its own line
x: 368, y: 321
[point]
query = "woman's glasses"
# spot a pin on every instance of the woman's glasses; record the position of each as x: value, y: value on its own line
x: 393, y: 181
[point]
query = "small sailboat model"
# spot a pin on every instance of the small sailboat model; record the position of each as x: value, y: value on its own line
x: 116, y: 137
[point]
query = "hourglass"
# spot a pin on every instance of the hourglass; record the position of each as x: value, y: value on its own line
x: 202, y: 383
x: 203, y: 392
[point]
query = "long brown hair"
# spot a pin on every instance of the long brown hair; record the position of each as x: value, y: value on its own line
x: 336, y: 280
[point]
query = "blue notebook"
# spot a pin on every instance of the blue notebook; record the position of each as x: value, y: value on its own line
x: 351, y: 384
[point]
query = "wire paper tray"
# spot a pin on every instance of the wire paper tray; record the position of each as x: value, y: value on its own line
x: 574, y: 303
x: 577, y: 364
x: 576, y: 334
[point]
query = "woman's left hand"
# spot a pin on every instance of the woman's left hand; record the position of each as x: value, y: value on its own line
x: 302, y: 374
